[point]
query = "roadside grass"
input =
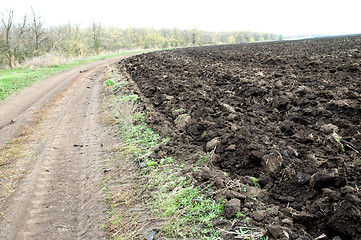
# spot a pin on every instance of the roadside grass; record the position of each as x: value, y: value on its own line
x: 14, y: 80
x: 148, y: 196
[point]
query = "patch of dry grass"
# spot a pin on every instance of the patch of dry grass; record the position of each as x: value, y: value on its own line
x: 49, y: 59
x: 121, y: 184
x: 123, y: 198
x: 14, y: 161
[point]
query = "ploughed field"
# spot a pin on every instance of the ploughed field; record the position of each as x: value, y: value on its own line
x: 285, y: 113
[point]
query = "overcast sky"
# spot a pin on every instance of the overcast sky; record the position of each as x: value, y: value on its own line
x: 276, y: 16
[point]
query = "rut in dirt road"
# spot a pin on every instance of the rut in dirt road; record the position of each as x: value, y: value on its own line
x: 60, y: 197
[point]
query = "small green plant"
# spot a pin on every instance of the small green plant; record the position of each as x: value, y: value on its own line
x: 255, y: 181
x: 109, y: 82
x: 248, y: 233
x: 128, y: 98
x: 102, y: 226
x: 105, y: 189
x: 338, y: 140
x: 204, y: 159
x: 151, y: 163
x: 243, y: 217
x: 168, y: 160
x: 240, y: 215
x: 178, y: 111
x: 244, y: 234
x: 204, y: 135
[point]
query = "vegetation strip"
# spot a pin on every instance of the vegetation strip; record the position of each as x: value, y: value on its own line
x: 155, y: 188
x: 14, y: 80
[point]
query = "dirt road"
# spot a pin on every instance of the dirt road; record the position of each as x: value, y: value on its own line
x: 60, y: 196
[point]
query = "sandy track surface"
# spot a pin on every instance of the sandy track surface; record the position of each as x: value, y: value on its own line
x: 60, y: 197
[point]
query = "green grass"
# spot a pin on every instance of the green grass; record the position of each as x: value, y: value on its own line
x: 182, y: 208
x: 11, y: 81
x: 187, y: 213
x: 14, y: 80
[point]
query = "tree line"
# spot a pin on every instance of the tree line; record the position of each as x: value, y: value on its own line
x: 30, y: 38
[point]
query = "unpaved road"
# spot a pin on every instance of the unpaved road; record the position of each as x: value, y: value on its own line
x: 60, y: 196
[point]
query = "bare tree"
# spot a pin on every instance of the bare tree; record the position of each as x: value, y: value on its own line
x: 38, y: 33
x: 19, y: 53
x: 7, y: 23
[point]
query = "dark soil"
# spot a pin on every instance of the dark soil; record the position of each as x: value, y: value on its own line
x: 287, y: 113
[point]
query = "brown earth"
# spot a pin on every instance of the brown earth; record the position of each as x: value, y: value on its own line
x: 286, y: 113
x: 58, y: 170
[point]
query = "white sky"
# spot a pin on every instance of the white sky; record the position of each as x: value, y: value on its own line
x: 276, y: 16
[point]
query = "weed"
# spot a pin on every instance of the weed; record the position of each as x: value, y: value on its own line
x: 151, y: 163
x: 204, y: 135
x: 255, y: 181
x: 102, y: 226
x: 168, y: 160
x: 204, y: 159
x: 178, y: 111
x: 248, y: 233
x: 241, y: 216
x: 109, y: 82
x: 338, y: 140
x: 105, y: 189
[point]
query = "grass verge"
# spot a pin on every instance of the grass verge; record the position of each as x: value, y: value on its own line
x: 148, y: 196
x: 14, y: 80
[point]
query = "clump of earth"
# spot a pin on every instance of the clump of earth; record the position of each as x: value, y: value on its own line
x: 279, y: 122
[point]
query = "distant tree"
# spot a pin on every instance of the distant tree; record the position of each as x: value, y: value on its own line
x: 256, y: 36
x: 113, y: 38
x: 240, y: 37
x: 77, y: 45
x: 248, y: 36
x: 231, y: 39
x: 267, y: 36
x: 7, y: 24
x: 130, y: 38
x: 19, y: 41
x: 176, y: 38
x: 38, y: 32
x: 195, y: 37
x: 96, y: 37
x: 20, y: 51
